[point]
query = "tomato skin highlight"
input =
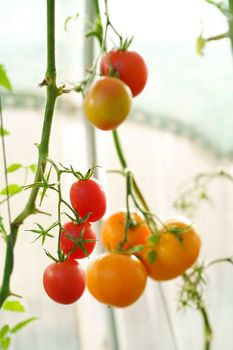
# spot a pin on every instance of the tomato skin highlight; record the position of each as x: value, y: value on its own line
x: 64, y: 282
x: 116, y: 279
x: 112, y: 231
x: 173, y: 257
x: 130, y: 66
x: 107, y: 103
x: 74, y: 230
x: 88, y: 196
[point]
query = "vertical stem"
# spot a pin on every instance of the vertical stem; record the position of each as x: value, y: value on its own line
x: 207, y: 329
x: 30, y: 207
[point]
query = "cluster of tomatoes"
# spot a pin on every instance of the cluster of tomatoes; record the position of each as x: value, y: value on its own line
x: 108, y: 101
x: 65, y: 281
x: 118, y: 278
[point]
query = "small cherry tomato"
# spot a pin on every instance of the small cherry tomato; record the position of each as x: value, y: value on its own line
x: 107, y: 103
x: 64, y: 282
x: 113, y: 229
x: 129, y: 65
x: 72, y: 230
x: 88, y: 196
x: 176, y: 251
x: 116, y: 279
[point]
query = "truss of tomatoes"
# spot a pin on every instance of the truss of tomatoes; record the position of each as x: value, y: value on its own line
x: 65, y: 281
x: 118, y: 277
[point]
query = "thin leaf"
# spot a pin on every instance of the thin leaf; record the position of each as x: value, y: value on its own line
x: 22, y: 324
x: 12, y: 190
x: 5, y: 132
x: 4, y: 330
x: 154, y: 238
x: 13, y: 305
x: 4, y: 80
x: 32, y: 167
x: 13, y: 167
x: 135, y: 249
x: 152, y: 255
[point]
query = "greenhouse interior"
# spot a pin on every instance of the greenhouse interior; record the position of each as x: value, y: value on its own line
x: 116, y: 176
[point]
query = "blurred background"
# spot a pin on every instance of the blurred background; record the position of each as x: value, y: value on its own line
x: 180, y: 125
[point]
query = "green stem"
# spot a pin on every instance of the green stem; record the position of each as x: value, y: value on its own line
x: 207, y: 328
x: 30, y: 207
x: 230, y: 20
x: 119, y: 149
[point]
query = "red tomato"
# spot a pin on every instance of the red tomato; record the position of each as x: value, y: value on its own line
x: 64, y: 282
x: 129, y: 65
x: 74, y: 230
x: 88, y: 196
x: 107, y: 103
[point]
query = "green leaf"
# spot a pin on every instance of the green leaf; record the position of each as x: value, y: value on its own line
x: 13, y: 167
x: 12, y: 190
x: 152, y: 255
x: 154, y: 238
x: 5, y: 343
x: 4, y: 330
x: 200, y: 45
x: 13, y: 305
x: 135, y: 249
x: 4, y: 131
x: 32, y: 167
x: 4, y: 81
x: 23, y: 324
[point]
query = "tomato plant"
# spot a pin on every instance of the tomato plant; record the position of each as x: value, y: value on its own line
x: 107, y: 103
x: 176, y: 251
x: 113, y: 230
x: 84, y: 233
x: 128, y: 65
x: 116, y: 279
x: 64, y: 282
x: 88, y: 196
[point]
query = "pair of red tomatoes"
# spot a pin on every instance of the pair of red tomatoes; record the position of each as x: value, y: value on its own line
x: 108, y: 101
x: 65, y: 281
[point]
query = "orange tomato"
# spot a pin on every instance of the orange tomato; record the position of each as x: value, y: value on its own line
x: 172, y: 255
x: 116, y: 279
x: 107, y: 103
x: 112, y: 231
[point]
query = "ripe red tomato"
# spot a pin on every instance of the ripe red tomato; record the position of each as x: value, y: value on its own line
x: 107, y: 103
x: 74, y: 230
x: 116, y: 279
x: 130, y: 66
x: 64, y: 282
x: 88, y: 196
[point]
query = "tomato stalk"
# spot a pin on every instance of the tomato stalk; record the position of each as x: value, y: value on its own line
x: 43, y: 148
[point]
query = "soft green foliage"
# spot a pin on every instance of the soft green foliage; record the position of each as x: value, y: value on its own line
x: 152, y: 255
x: 13, y: 167
x: 22, y: 324
x: 6, y: 331
x: 13, y: 305
x: 4, y: 81
x: 4, y: 132
x: 12, y: 190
